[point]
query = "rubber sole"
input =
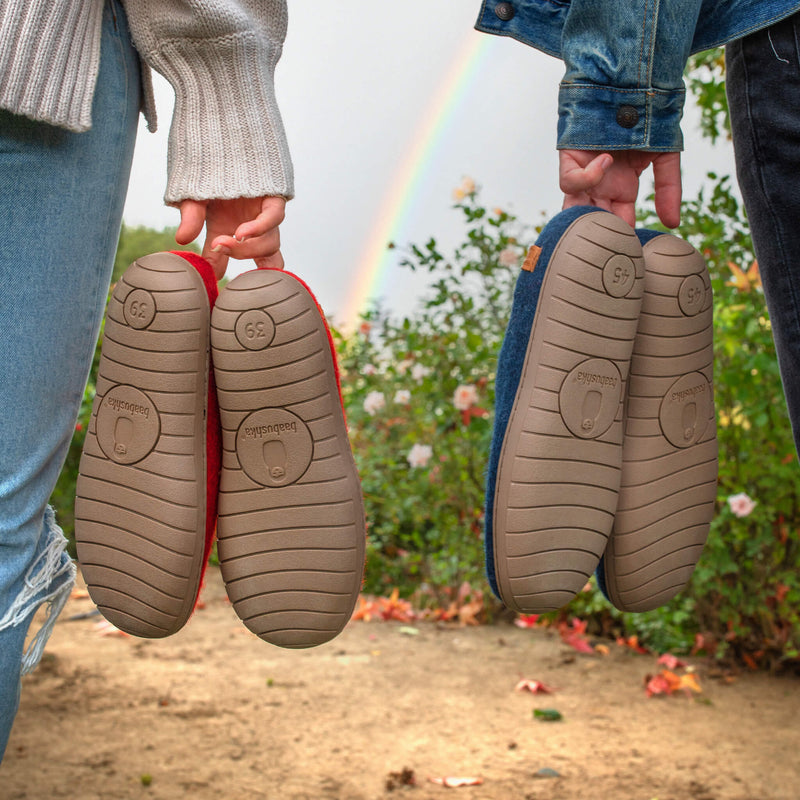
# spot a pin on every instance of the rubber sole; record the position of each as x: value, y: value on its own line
x: 291, y: 530
x: 140, y: 507
x: 669, y: 471
x: 559, y: 469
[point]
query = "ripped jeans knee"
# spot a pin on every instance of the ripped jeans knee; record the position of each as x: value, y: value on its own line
x: 48, y: 581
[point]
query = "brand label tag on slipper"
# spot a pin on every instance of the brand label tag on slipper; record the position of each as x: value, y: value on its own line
x: 532, y: 258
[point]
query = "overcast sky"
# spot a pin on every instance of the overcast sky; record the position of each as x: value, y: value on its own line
x: 360, y: 88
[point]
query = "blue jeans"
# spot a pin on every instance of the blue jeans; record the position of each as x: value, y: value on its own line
x: 61, y: 201
x: 763, y: 81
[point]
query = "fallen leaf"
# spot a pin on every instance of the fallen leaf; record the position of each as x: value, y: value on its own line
x: 574, y: 635
x: 365, y: 609
x: 546, y: 772
x: 671, y: 662
x: 527, y: 620
x: 632, y: 643
x: 689, y: 681
x: 454, y: 783
x: 534, y: 687
x: 750, y: 662
x: 78, y: 594
x: 667, y: 682
x: 468, y: 613
x: 384, y: 608
x: 547, y: 714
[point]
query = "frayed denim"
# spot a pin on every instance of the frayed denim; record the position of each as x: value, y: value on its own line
x: 61, y: 201
x: 763, y: 83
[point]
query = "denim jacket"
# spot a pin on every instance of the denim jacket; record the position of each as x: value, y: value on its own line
x: 623, y: 86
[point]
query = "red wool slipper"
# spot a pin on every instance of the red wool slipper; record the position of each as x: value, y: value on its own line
x: 291, y: 535
x: 146, y: 498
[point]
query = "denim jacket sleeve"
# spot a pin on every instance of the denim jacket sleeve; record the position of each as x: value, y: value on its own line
x: 623, y: 85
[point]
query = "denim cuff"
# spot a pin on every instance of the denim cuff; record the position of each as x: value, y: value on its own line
x: 592, y: 117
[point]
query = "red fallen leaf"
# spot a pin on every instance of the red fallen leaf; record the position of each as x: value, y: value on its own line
x: 750, y: 662
x: 671, y: 662
x: 579, y: 644
x: 657, y: 684
x: 574, y: 636
x: 394, y: 608
x: 365, y: 610
x: 667, y: 682
x: 632, y: 642
x: 534, y: 687
x: 454, y: 783
x: 527, y: 620
x: 385, y: 608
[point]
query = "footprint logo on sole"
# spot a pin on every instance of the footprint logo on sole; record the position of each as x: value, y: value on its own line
x: 274, y: 453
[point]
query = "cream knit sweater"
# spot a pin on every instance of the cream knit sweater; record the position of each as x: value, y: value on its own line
x: 227, y: 138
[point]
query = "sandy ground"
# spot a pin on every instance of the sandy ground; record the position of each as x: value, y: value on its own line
x: 213, y: 712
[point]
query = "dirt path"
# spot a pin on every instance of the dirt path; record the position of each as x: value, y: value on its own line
x: 214, y: 712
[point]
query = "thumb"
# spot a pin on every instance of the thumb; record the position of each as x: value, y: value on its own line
x: 193, y: 217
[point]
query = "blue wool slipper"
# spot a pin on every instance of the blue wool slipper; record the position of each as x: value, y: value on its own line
x: 669, y: 451
x: 554, y: 467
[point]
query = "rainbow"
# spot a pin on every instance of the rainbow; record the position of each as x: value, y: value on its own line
x: 399, y: 200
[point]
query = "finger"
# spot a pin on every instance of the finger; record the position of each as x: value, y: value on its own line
x: 575, y: 179
x: 273, y: 212
x: 193, y: 217
x: 256, y: 247
x: 275, y: 261
x: 668, y: 189
x: 217, y: 257
x: 624, y: 210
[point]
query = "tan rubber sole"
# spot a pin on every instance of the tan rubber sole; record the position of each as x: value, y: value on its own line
x: 140, y: 507
x: 291, y: 531
x: 559, y: 469
x: 669, y: 472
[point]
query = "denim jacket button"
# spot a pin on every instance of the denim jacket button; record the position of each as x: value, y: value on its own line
x: 504, y: 11
x: 627, y: 116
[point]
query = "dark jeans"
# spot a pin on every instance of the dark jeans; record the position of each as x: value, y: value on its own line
x: 763, y: 80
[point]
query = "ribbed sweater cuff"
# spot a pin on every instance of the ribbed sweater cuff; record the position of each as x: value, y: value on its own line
x: 227, y: 138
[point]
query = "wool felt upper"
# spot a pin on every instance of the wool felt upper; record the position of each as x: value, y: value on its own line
x: 511, y: 360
